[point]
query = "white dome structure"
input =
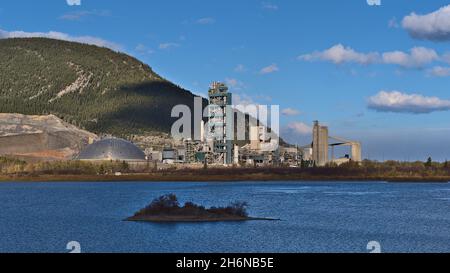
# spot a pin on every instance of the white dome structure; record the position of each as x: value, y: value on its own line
x: 112, y: 149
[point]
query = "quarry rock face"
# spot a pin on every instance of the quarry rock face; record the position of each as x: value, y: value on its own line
x: 37, y: 138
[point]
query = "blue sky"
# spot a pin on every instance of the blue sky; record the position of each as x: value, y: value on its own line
x: 379, y: 74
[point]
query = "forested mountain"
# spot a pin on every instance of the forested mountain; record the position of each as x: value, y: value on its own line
x: 94, y: 88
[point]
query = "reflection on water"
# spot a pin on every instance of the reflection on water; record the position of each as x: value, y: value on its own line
x: 316, y: 217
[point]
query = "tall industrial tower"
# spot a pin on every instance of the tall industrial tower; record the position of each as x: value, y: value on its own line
x: 320, y: 144
x: 220, y: 125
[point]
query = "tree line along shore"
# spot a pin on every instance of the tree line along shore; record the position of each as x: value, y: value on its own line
x: 393, y: 171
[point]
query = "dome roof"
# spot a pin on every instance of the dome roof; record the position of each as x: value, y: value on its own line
x: 112, y: 149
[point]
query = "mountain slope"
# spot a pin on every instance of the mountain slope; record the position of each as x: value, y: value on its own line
x: 94, y: 88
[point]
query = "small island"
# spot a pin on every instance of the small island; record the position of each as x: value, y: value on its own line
x: 166, y: 208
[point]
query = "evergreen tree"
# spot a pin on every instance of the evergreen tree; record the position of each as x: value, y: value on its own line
x: 429, y: 162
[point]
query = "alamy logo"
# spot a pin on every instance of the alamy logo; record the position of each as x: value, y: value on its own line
x: 222, y: 119
x: 74, y: 247
x: 73, y: 2
x: 374, y: 2
x: 374, y: 247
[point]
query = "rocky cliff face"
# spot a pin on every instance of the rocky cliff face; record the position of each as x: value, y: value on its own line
x: 40, y: 137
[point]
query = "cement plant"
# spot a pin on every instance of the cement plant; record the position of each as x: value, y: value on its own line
x: 48, y: 138
x: 224, y: 136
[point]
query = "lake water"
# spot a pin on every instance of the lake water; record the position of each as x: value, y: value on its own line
x: 315, y: 217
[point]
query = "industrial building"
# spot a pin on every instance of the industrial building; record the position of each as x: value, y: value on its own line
x: 218, y: 146
x: 321, y: 147
x: 220, y: 125
x: 320, y: 144
x: 262, y: 148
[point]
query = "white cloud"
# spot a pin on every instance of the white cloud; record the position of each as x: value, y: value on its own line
x: 73, y: 2
x: 243, y: 99
x: 439, y: 71
x: 75, y: 16
x: 339, y: 54
x: 231, y: 82
x: 417, y: 58
x: 142, y: 49
x: 296, y: 132
x: 263, y: 97
x: 434, y: 26
x: 168, y: 45
x: 393, y: 23
x: 290, y: 112
x: 79, y: 15
x: 399, y: 102
x: 61, y: 36
x: 300, y: 128
x: 269, y: 69
x: 206, y: 21
x: 269, y: 6
x: 234, y: 83
x: 240, y: 68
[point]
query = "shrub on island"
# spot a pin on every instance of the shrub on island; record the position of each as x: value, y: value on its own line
x: 167, y: 208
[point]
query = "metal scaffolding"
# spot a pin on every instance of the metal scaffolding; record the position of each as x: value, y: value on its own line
x: 220, y: 125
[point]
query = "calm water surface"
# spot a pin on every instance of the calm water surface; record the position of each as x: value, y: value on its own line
x: 316, y: 217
